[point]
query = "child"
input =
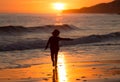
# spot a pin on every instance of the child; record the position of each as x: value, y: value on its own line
x: 54, y: 45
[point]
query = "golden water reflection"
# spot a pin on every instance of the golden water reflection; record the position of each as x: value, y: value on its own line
x: 58, y: 19
x: 59, y: 73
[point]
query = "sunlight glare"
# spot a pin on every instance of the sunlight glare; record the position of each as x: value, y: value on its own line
x: 61, y: 68
x: 59, y: 6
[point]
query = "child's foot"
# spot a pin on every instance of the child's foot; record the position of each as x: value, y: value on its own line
x: 55, y: 64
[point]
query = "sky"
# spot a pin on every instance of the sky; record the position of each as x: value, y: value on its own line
x: 43, y: 6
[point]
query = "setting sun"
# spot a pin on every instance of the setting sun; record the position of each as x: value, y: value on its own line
x: 59, y: 6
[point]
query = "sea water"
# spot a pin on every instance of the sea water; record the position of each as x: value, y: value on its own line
x: 75, y: 26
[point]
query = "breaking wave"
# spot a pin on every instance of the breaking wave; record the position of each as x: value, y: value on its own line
x: 38, y: 43
x: 15, y: 30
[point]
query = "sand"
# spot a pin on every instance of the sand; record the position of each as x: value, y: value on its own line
x: 88, y: 71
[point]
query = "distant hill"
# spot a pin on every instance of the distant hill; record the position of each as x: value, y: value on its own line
x: 111, y: 7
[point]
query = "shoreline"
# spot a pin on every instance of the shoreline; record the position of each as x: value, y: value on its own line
x: 100, y: 71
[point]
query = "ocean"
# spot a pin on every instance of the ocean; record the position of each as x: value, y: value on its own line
x: 23, y: 38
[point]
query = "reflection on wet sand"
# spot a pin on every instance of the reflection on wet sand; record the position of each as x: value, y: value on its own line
x: 55, y: 75
x: 59, y: 73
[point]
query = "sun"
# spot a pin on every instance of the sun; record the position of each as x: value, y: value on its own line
x: 59, y: 6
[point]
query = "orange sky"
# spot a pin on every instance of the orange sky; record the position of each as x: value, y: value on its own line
x: 42, y: 6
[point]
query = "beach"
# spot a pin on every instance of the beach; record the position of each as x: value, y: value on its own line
x: 92, y: 56
x: 67, y: 71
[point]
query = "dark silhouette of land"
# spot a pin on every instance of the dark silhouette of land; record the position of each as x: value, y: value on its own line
x: 110, y: 8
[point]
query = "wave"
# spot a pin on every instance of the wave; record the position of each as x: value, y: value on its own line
x: 38, y: 43
x: 15, y: 30
x: 94, y: 39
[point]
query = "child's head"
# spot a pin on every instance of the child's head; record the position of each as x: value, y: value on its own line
x: 55, y: 32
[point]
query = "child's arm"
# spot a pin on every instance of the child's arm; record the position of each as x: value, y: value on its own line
x: 66, y: 39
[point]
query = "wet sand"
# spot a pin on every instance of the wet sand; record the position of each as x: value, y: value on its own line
x: 87, y: 71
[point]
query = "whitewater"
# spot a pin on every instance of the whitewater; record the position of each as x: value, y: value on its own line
x: 24, y: 36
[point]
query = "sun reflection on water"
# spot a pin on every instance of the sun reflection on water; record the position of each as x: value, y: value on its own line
x: 58, y: 19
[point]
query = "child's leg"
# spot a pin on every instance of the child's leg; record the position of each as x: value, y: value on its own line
x: 53, y: 58
x: 56, y: 58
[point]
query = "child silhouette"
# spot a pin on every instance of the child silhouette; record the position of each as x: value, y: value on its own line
x: 54, y: 45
